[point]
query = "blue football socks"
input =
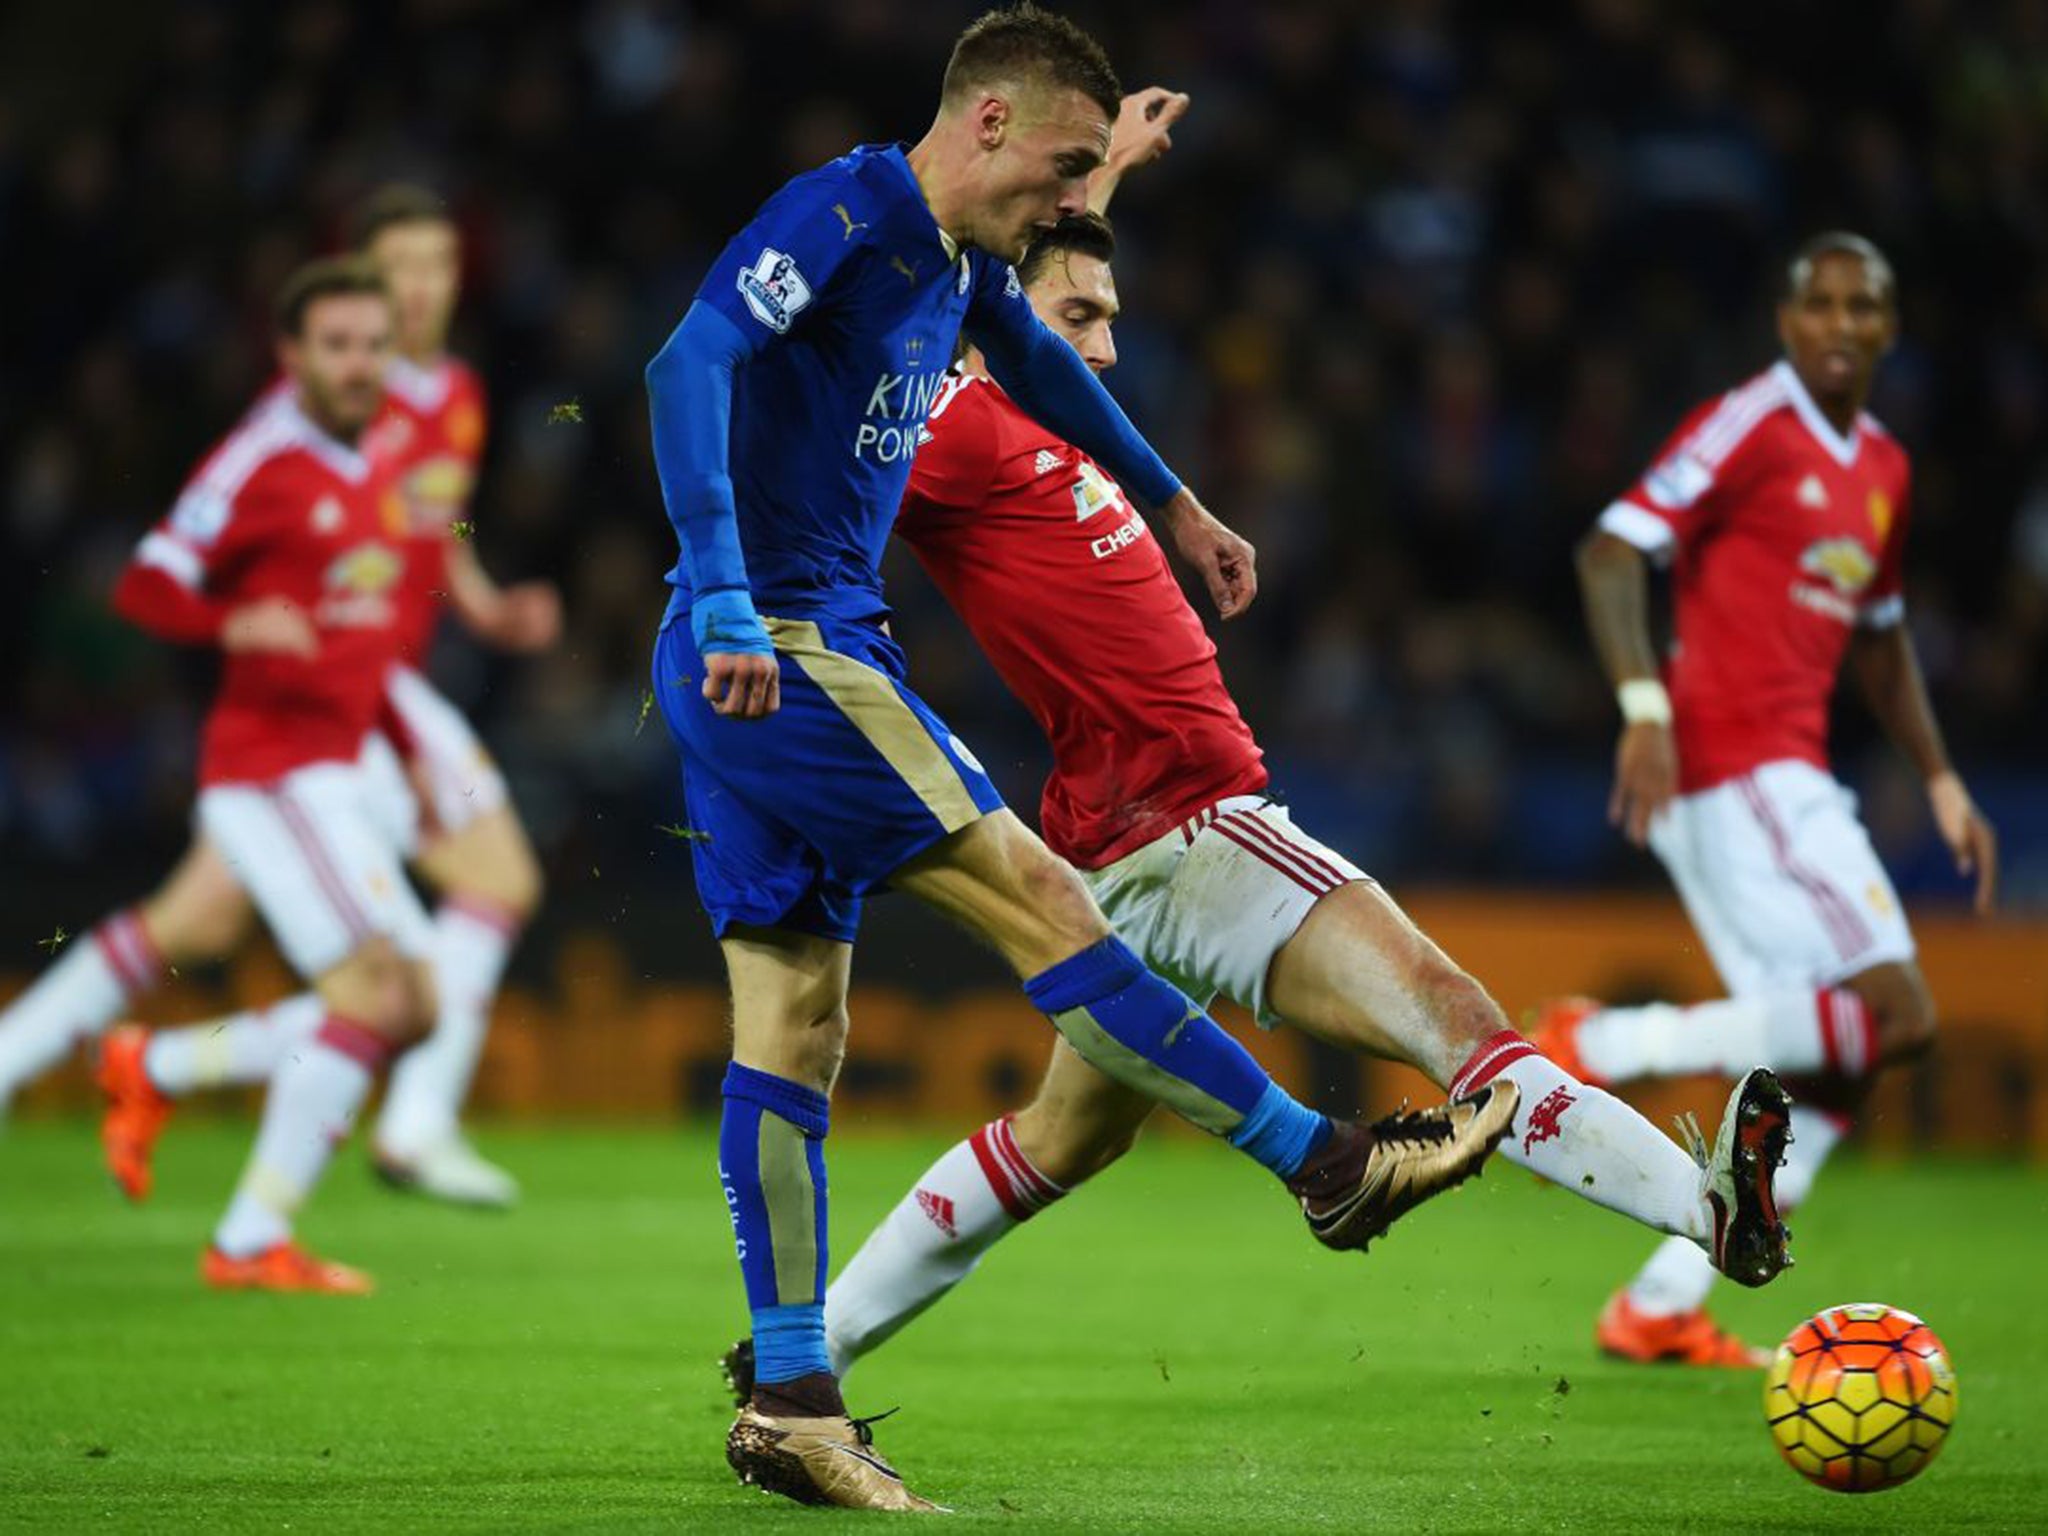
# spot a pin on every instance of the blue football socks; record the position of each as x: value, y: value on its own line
x: 1145, y: 1033
x: 771, y: 1160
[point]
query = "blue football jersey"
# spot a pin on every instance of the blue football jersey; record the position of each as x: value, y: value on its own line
x: 843, y: 284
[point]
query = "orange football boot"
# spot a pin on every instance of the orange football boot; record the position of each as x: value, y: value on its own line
x: 1554, y: 1030
x: 1684, y: 1338
x: 283, y: 1266
x: 136, y: 1111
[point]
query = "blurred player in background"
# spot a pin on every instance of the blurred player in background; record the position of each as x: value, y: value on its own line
x: 1159, y: 797
x: 786, y: 408
x: 436, y: 790
x: 1782, y: 506
x: 286, y: 550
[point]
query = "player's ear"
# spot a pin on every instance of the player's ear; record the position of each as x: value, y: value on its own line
x: 993, y: 115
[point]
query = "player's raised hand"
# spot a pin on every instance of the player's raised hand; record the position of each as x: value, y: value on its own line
x: 1645, y: 778
x: 272, y: 626
x: 1968, y: 835
x: 1144, y: 125
x: 1142, y: 133
x: 1228, y: 564
x: 743, y: 684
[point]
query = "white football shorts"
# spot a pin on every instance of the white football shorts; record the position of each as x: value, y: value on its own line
x: 1780, y: 880
x: 309, y: 851
x: 1209, y: 904
x: 461, y: 781
x: 388, y: 790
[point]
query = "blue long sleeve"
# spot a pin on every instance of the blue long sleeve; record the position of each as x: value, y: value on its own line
x: 689, y: 392
x: 1059, y: 391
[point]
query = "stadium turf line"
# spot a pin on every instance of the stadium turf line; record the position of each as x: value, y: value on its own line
x: 1169, y: 1352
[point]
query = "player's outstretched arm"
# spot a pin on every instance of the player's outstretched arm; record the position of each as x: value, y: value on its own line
x: 689, y: 393
x: 523, y: 617
x: 1614, y: 585
x: 1143, y: 132
x: 1887, y: 672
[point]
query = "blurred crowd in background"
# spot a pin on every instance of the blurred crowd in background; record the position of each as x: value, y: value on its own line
x: 1417, y: 291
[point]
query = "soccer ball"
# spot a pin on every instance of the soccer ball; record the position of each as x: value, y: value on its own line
x: 1860, y: 1397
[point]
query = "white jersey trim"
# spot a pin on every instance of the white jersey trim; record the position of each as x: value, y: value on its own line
x: 1632, y: 525
x: 176, y: 559
x: 424, y: 389
x: 1842, y: 449
x: 1738, y: 414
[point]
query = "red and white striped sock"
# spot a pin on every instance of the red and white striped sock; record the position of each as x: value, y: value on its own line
x: 309, y: 1112
x: 979, y: 1190
x: 96, y: 976
x: 1588, y: 1141
x: 1827, y: 1031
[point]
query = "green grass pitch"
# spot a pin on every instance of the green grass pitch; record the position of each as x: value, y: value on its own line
x: 1167, y: 1352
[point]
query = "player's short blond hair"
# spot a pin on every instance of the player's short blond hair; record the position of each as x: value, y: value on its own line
x: 1024, y: 43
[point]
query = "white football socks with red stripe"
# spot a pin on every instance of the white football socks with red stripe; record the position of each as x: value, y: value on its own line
x: 1830, y: 1031
x: 309, y: 1111
x: 1679, y: 1275
x: 938, y: 1232
x: 231, y: 1052
x: 97, y: 975
x: 472, y: 941
x: 1590, y: 1142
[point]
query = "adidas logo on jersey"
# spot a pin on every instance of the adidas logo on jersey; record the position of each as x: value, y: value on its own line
x: 1046, y: 462
x: 1812, y: 493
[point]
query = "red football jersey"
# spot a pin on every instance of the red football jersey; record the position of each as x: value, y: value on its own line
x: 1069, y: 595
x: 431, y: 439
x: 1787, y: 535
x: 280, y: 509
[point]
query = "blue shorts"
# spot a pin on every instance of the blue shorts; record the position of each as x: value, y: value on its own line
x: 805, y: 812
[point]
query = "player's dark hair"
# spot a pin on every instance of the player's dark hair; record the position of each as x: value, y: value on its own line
x: 323, y: 279
x: 1024, y: 42
x: 1838, y: 242
x: 400, y: 202
x: 1078, y: 234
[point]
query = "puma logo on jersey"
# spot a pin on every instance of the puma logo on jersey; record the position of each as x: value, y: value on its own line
x: 1046, y: 462
x: 848, y: 220
x: 907, y: 268
x: 1812, y: 493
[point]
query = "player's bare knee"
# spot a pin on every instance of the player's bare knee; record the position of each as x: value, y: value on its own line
x: 1902, y: 1010
x: 374, y: 987
x: 1056, y: 894
x: 199, y: 914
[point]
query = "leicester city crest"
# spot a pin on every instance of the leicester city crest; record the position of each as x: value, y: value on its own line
x: 774, y: 290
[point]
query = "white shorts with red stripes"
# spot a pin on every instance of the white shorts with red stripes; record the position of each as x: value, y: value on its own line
x: 1212, y: 902
x: 325, y: 875
x: 448, y: 760
x: 1780, y: 880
